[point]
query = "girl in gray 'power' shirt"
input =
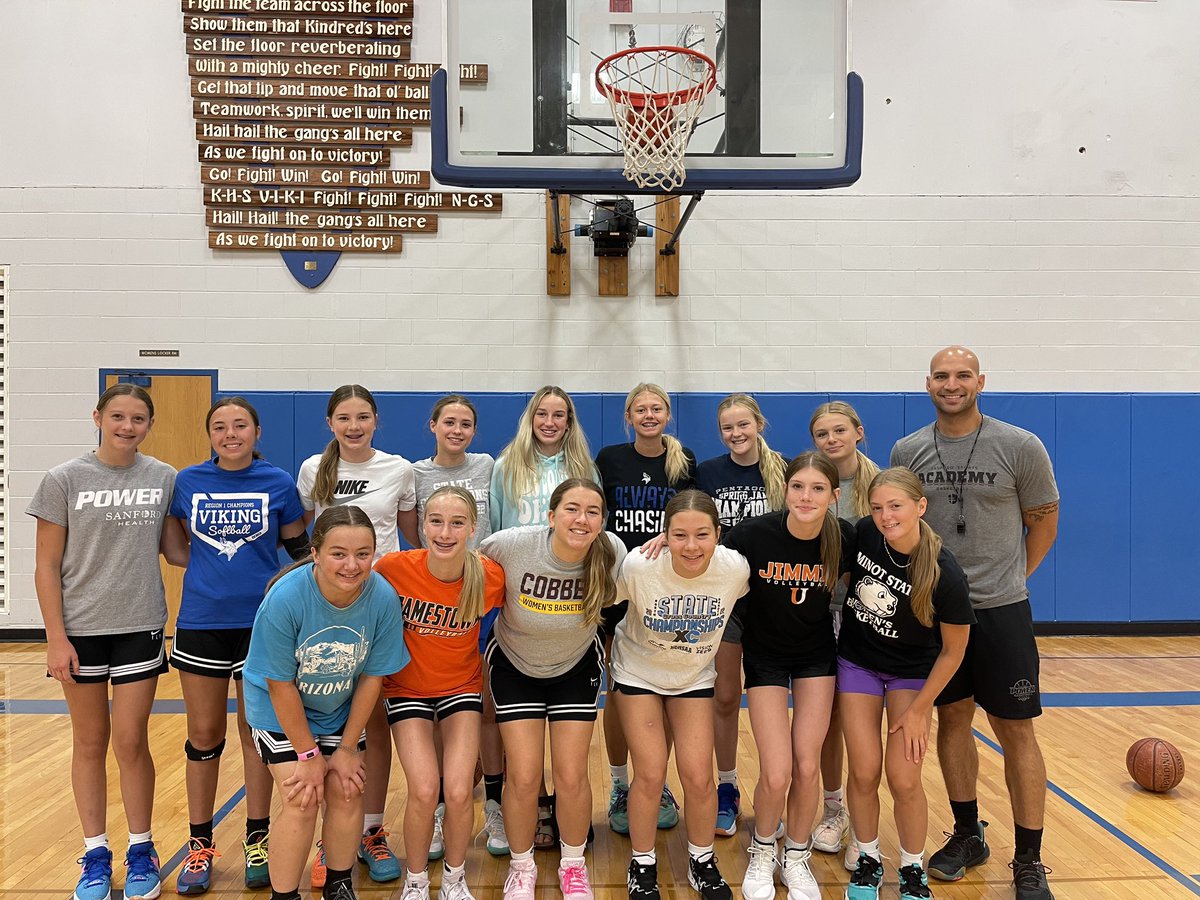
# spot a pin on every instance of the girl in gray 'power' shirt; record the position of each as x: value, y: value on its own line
x: 103, y: 605
x: 545, y: 660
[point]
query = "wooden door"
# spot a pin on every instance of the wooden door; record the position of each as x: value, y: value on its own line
x: 177, y: 438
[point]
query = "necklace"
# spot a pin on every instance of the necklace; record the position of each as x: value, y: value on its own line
x: 892, y: 558
x: 957, y: 495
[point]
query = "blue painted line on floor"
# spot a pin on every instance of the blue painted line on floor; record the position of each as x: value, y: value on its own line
x: 173, y: 863
x: 1121, y: 698
x: 1143, y: 851
x: 59, y: 707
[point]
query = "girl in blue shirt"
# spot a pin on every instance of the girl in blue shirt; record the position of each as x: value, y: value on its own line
x: 324, y: 637
x: 236, y: 509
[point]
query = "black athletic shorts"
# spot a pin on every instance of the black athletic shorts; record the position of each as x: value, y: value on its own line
x: 215, y: 652
x: 119, y: 658
x: 764, y: 672
x: 629, y: 690
x: 1001, y: 666
x: 274, y: 746
x: 571, y: 696
x: 733, y: 628
x: 401, y: 708
x: 611, y: 616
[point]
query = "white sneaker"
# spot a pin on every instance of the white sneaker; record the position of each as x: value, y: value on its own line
x: 493, y: 827
x: 521, y: 881
x: 453, y: 890
x: 574, y: 882
x: 759, y: 883
x: 797, y: 876
x: 416, y: 887
x: 437, y: 843
x: 832, y: 830
x: 851, y: 860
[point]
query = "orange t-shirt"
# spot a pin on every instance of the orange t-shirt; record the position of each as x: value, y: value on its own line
x: 445, y: 653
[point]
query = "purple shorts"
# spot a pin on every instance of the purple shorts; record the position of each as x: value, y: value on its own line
x: 852, y: 679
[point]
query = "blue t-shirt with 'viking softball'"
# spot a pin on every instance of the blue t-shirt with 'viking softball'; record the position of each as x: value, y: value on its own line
x: 233, y: 521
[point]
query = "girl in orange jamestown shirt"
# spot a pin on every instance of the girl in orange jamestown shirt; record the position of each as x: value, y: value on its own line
x: 445, y: 590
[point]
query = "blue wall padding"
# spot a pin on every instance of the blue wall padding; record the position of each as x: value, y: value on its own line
x: 1095, y: 440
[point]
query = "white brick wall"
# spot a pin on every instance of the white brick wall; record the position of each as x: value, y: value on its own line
x: 977, y: 220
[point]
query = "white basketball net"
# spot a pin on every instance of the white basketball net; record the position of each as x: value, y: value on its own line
x: 656, y: 94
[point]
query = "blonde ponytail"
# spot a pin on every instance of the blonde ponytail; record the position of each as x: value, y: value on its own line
x: 325, y: 481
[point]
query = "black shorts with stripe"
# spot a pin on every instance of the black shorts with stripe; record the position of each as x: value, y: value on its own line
x: 569, y: 697
x: 119, y: 658
x: 214, y: 652
x: 401, y: 708
x: 274, y: 746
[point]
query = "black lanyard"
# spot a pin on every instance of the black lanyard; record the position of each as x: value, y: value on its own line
x: 958, y: 495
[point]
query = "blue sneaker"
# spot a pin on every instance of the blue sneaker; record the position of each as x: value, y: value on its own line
x: 141, y: 875
x: 865, y: 881
x: 914, y: 883
x: 95, y: 879
x: 195, y: 872
x: 729, y: 803
x: 668, y: 809
x: 618, y: 809
x: 373, y: 850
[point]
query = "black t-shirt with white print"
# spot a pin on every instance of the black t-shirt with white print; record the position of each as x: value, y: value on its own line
x: 786, y: 614
x: 879, y: 630
x: 636, y: 490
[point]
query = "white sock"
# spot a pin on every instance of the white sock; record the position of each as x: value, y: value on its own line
x: 729, y: 777
x: 372, y: 820
x: 573, y: 855
x: 832, y: 797
x: 91, y: 843
x: 769, y: 839
x: 620, y: 774
x: 421, y: 877
x: 647, y: 858
x: 142, y: 838
x: 700, y: 854
x: 871, y: 848
x: 453, y: 873
x: 516, y: 857
x: 789, y: 844
x: 911, y: 859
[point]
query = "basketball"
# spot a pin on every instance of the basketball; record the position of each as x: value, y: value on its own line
x: 1155, y: 764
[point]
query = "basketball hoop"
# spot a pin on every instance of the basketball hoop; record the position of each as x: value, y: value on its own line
x: 655, y: 94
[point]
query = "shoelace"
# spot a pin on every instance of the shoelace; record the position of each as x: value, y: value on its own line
x: 375, y: 843
x: 493, y: 826
x: 519, y: 879
x: 620, y: 798
x: 200, y: 855
x: 341, y: 891
x: 869, y: 871
x: 668, y: 797
x: 141, y: 862
x: 96, y: 869
x: 796, y: 862
x: 1030, y: 874
x: 456, y: 890
x: 762, y: 860
x: 415, y: 889
x: 255, y: 852
x: 911, y: 883
x: 707, y: 872
x: 575, y: 880
x: 956, y: 844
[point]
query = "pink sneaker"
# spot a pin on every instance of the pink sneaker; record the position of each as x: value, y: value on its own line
x: 573, y: 879
x: 521, y: 880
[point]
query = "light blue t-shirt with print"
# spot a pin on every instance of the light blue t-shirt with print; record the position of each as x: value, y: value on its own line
x: 301, y: 637
x: 530, y: 509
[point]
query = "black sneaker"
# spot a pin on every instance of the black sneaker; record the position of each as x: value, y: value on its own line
x: 959, y: 853
x: 339, y: 890
x: 1029, y: 878
x: 643, y: 881
x: 913, y: 884
x: 705, y: 878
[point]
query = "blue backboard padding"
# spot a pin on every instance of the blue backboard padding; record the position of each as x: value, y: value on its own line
x: 1097, y: 442
x: 1092, y: 465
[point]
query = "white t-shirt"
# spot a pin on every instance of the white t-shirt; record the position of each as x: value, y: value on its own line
x: 381, y: 487
x: 668, y: 640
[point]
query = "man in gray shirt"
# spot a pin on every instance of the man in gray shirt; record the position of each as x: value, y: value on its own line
x: 994, y: 502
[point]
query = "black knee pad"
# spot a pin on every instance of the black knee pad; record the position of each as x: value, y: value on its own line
x: 203, y: 755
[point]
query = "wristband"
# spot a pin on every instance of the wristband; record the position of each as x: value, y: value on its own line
x: 309, y: 754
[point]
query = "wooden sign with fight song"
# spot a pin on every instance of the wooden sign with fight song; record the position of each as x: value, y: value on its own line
x: 301, y: 108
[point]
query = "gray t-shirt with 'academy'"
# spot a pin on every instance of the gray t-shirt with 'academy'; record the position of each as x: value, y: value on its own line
x: 541, y: 628
x: 475, y: 474
x: 111, y: 583
x: 1010, y: 471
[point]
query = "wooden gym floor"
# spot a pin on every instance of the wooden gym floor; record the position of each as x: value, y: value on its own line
x: 1104, y: 836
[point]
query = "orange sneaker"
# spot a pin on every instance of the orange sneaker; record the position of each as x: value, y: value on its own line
x: 318, y: 870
